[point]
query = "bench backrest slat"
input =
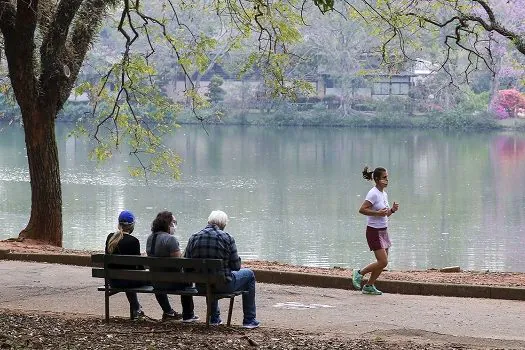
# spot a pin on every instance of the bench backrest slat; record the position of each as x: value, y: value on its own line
x: 149, y: 261
x: 176, y: 270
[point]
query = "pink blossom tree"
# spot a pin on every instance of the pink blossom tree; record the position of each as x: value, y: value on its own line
x: 507, y: 103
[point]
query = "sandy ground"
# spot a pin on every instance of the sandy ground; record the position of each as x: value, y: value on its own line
x: 510, y: 279
x: 40, y: 309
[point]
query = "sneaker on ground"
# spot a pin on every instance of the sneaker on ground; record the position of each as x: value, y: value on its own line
x: 251, y: 325
x: 357, y: 278
x: 216, y: 322
x: 138, y: 314
x: 195, y: 318
x: 372, y: 290
x: 171, y: 316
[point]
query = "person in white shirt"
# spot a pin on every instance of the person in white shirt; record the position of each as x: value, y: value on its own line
x: 377, y: 210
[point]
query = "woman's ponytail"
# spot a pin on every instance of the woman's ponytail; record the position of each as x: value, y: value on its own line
x: 115, y: 239
x: 367, y: 175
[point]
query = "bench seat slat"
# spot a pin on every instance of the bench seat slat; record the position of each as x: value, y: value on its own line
x: 141, y: 289
x: 146, y: 275
x: 150, y: 289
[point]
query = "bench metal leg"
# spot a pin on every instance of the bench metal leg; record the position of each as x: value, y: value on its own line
x: 209, y: 301
x: 230, y: 311
x: 106, y: 302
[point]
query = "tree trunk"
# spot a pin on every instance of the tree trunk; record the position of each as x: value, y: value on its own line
x: 495, y: 81
x: 45, y: 223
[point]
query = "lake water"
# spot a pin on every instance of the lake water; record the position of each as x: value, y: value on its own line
x: 293, y: 194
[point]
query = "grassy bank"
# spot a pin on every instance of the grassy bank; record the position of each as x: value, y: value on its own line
x: 387, y: 119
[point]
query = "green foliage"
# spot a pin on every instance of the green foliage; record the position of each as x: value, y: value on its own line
x: 130, y: 109
x: 324, y: 5
x: 455, y: 120
x: 215, y: 91
x: 473, y: 103
x: 292, y: 114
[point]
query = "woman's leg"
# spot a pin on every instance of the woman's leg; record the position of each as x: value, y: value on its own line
x: 132, y: 297
x: 133, y: 301
x: 164, y: 302
x: 377, y: 267
x: 187, y: 307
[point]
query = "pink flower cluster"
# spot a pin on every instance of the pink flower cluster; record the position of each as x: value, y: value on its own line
x: 508, y: 103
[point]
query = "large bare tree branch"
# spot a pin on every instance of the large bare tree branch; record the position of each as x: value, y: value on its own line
x: 54, y: 58
x: 7, y: 17
x: 84, y: 28
x: 491, y: 24
x: 18, y: 27
x: 56, y: 36
x: 46, y: 15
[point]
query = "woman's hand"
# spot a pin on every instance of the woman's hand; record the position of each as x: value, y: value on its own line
x: 383, y: 212
x: 395, y: 207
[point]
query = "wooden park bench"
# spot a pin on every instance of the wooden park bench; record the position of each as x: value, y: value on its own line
x: 208, y: 272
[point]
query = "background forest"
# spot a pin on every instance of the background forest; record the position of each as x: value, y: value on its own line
x: 338, y: 65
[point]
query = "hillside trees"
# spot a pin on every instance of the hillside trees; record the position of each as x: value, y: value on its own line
x: 340, y: 49
x: 464, y: 38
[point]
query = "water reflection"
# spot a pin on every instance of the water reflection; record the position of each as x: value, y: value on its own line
x: 293, y: 193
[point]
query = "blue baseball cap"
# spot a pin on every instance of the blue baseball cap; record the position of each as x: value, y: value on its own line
x: 126, y: 217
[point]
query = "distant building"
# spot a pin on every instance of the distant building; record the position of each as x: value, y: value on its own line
x: 369, y: 85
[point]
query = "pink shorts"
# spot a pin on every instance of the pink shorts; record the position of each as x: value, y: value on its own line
x: 377, y: 238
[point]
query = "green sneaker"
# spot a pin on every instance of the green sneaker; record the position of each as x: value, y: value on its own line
x: 371, y: 290
x: 357, y: 278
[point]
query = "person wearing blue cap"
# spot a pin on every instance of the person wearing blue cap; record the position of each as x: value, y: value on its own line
x: 123, y: 243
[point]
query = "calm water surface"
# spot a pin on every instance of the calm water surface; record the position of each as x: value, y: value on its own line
x: 293, y: 194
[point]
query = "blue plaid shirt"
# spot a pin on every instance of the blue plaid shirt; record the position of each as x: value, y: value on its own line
x: 213, y: 243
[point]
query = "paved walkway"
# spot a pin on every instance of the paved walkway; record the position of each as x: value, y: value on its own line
x: 34, y: 286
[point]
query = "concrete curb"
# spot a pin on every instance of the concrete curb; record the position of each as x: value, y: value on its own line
x: 392, y: 286
x: 78, y: 260
x: 320, y: 281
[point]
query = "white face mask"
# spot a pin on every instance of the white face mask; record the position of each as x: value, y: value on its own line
x: 172, y: 230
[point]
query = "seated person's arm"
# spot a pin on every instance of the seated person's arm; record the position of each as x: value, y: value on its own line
x: 174, y: 248
x: 234, y: 260
x: 135, y: 250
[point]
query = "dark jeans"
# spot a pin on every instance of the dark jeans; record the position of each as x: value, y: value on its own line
x: 132, y: 297
x: 185, y: 300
